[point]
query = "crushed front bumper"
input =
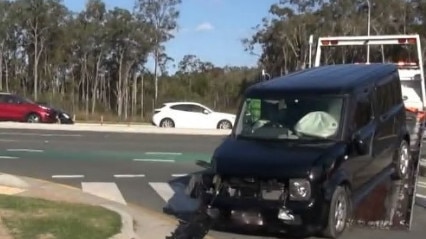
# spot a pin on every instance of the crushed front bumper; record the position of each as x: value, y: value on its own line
x: 308, y: 216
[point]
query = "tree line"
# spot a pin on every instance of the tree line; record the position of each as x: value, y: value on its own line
x: 284, y: 36
x: 94, y: 62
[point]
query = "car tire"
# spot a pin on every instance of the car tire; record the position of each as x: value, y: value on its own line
x: 33, y: 118
x: 224, y: 124
x: 167, y: 123
x: 340, y: 204
x: 402, y: 160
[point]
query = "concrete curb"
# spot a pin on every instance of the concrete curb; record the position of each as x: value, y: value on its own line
x: 113, y: 124
x: 114, y: 128
x: 127, y: 225
x: 12, y: 181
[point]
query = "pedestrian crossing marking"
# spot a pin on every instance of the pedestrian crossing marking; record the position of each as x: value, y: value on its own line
x: 105, y: 190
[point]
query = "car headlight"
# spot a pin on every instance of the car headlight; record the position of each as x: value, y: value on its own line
x: 66, y: 116
x: 300, y: 189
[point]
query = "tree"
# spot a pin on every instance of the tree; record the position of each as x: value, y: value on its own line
x: 4, y: 23
x: 37, y: 16
x: 162, y: 14
x: 284, y: 36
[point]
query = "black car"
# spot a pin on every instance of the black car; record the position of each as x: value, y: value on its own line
x: 303, y: 147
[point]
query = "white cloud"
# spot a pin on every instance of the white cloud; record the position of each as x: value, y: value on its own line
x: 206, y: 26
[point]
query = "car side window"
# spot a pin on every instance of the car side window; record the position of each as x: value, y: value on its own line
x: 386, y: 97
x: 363, y: 113
x: 9, y: 99
x: 396, y: 92
x: 186, y: 108
x: 197, y: 109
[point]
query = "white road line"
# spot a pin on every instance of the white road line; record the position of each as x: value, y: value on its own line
x: 179, y: 175
x: 163, y: 153
x: 7, y: 157
x: 46, y: 135
x: 421, y: 184
x: 129, y: 175
x: 26, y: 150
x: 155, y: 160
x: 163, y: 189
x: 68, y: 176
x: 108, y: 191
x: 8, y: 140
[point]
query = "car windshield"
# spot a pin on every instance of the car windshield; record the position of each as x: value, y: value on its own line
x: 294, y: 118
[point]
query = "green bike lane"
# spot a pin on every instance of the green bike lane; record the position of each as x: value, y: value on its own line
x: 74, y: 154
x: 129, y: 156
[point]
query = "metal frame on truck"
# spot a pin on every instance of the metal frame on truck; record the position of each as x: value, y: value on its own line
x: 408, y: 71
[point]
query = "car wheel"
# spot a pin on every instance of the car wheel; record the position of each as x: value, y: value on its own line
x: 167, y: 123
x: 402, y: 161
x: 33, y: 118
x: 338, y: 214
x: 224, y: 124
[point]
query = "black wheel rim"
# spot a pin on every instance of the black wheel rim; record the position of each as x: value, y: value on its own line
x: 167, y: 124
x: 224, y: 125
x: 33, y: 119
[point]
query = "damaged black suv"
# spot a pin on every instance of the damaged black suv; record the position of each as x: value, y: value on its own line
x: 303, y: 147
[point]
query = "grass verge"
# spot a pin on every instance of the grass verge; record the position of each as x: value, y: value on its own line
x: 33, y: 218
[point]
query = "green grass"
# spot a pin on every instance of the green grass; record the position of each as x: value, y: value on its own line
x: 32, y: 218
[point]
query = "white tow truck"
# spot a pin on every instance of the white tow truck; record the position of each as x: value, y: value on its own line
x: 411, y: 72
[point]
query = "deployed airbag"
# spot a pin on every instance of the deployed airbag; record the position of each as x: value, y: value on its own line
x: 318, y: 124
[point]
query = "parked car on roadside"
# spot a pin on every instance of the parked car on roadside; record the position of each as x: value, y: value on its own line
x: 20, y: 109
x: 191, y: 115
x: 302, y: 162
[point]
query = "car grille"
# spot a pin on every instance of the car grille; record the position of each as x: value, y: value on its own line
x: 254, y: 188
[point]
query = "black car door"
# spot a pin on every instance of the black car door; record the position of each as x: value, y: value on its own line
x: 363, y: 126
x: 385, y: 137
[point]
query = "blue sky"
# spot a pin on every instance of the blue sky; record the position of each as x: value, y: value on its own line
x: 210, y: 29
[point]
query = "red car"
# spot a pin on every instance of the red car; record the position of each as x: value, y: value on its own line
x: 20, y: 109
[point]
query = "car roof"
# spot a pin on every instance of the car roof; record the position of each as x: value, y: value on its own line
x: 329, y: 79
x: 181, y: 103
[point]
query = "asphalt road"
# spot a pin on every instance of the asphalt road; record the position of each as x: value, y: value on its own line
x: 144, y: 169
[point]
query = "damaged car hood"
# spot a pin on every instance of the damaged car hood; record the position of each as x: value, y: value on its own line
x: 270, y: 159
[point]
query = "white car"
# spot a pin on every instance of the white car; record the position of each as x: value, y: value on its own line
x: 191, y: 115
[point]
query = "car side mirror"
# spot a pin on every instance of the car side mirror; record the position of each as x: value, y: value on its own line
x: 203, y: 164
x: 361, y: 145
x: 404, y: 98
x: 206, y: 112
